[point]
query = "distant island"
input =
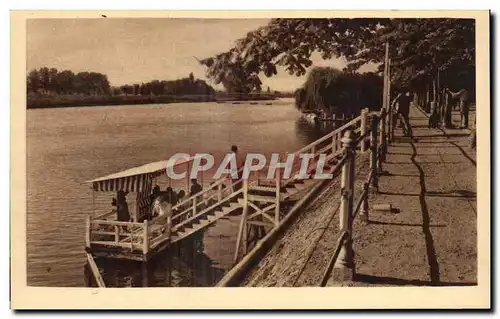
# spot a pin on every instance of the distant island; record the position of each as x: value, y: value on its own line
x: 48, y: 88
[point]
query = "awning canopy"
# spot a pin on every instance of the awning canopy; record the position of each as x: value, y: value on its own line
x: 136, y: 179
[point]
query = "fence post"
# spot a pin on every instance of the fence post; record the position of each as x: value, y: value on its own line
x: 374, y: 146
x: 88, y: 228
x: 242, y: 229
x: 194, y: 206
x: 364, y: 127
x: 381, y: 138
x: 344, y: 268
x: 390, y: 129
x: 278, y: 198
x: 363, y: 215
x: 117, y: 233
x: 145, y: 241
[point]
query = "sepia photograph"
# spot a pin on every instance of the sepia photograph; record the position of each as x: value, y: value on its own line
x: 305, y: 150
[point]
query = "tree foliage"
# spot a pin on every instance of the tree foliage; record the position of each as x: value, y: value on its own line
x: 419, y: 48
x: 338, y: 92
x: 188, y: 85
x: 51, y: 81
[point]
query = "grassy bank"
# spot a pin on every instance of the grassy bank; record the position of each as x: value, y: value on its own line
x: 53, y: 101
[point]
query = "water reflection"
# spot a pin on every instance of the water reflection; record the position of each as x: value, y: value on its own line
x: 309, y: 131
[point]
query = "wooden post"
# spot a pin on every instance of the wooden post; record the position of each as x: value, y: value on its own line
x: 88, y: 229
x: 278, y: 198
x: 243, y: 220
x: 382, y: 137
x: 145, y: 242
x: 194, y: 206
x: 374, y: 146
x: 337, y: 140
x: 390, y: 123
x: 386, y: 64
x: 364, y: 127
x: 344, y: 267
x: 95, y: 271
x: 364, y: 209
x: 144, y: 274
x: 117, y: 233
x: 334, y: 143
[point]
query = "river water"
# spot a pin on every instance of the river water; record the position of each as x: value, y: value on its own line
x: 66, y: 146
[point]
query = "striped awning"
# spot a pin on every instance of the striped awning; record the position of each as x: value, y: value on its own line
x: 136, y: 179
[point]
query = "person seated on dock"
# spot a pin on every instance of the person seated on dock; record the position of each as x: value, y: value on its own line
x: 162, y: 212
x: 180, y: 196
x: 123, y: 214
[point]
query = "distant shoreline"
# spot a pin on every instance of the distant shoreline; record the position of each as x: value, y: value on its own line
x: 63, y: 101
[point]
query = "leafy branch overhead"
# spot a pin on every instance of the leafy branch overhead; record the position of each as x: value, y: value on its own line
x: 418, y: 47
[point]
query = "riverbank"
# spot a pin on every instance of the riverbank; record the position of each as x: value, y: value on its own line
x: 56, y: 101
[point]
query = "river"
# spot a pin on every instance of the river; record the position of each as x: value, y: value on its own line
x: 66, y: 146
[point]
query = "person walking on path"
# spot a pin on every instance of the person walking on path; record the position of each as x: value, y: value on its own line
x: 448, y: 107
x: 403, y: 101
x: 463, y: 96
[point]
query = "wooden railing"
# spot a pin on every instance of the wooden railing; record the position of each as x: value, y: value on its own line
x: 117, y: 234
x: 381, y: 132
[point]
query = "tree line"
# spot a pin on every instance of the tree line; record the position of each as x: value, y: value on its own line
x: 45, y: 81
x: 52, y: 81
x: 426, y: 54
x: 184, y: 86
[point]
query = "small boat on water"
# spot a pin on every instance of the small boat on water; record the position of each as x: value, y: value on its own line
x: 312, y: 118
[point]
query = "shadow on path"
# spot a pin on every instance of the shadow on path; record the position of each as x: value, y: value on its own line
x: 429, y: 241
x: 403, y: 224
x: 461, y: 194
x: 402, y: 282
x: 464, y: 153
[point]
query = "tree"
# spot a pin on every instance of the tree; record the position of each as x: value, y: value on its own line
x: 332, y: 91
x: 33, y: 81
x: 64, y: 82
x: 44, y: 79
x: 424, y: 46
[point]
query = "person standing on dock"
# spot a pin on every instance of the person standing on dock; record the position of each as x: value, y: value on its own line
x: 463, y: 97
x: 122, y: 211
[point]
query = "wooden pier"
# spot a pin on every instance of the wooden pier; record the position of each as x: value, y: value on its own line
x: 258, y: 201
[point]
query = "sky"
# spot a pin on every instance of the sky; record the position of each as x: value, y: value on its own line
x: 135, y: 50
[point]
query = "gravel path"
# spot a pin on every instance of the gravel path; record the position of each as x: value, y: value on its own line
x: 431, y: 240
